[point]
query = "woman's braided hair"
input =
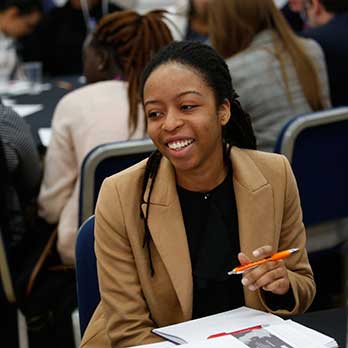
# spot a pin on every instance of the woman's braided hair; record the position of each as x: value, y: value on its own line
x: 214, y: 71
x: 134, y: 39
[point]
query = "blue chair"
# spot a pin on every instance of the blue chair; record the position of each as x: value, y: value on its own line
x: 103, y: 161
x: 317, y: 148
x: 88, y: 295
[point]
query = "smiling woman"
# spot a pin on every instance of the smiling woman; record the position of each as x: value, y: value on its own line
x: 175, y: 98
x: 207, y: 201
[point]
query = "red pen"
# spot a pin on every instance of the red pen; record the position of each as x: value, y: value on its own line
x: 220, y: 334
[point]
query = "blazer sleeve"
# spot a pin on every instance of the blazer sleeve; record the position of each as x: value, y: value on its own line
x: 292, y: 235
x: 128, y: 320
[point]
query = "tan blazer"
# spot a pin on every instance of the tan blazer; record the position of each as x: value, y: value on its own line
x: 132, y: 301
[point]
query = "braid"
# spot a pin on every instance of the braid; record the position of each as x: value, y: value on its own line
x: 150, y: 174
x: 135, y: 39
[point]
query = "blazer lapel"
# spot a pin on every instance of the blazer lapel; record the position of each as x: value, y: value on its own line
x: 168, y: 234
x: 255, y: 204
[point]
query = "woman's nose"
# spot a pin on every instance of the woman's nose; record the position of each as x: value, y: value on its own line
x: 172, y: 121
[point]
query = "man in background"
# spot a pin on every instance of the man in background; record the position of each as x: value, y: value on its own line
x: 293, y: 13
x: 57, y: 42
x: 328, y: 20
x: 17, y: 18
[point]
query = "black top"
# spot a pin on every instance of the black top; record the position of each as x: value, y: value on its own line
x: 211, y: 225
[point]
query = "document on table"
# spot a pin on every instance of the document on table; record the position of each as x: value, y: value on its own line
x: 45, y: 135
x: 250, y: 327
x: 201, y: 329
x: 19, y: 87
x: 164, y: 344
x: 221, y: 342
x: 26, y: 109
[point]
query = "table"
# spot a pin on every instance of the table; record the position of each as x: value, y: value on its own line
x: 331, y: 322
x: 49, y: 99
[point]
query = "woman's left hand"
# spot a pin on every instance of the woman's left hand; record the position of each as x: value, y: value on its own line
x: 271, y: 276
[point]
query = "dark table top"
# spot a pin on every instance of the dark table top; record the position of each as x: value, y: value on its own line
x: 331, y: 322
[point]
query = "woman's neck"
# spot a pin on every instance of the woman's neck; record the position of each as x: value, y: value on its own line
x: 203, y: 180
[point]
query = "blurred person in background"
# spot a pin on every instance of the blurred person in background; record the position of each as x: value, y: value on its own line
x: 329, y: 22
x: 17, y: 18
x: 277, y: 74
x: 22, y: 162
x: 197, y: 22
x: 294, y: 14
x: 20, y: 179
x: 58, y: 40
x: 104, y: 111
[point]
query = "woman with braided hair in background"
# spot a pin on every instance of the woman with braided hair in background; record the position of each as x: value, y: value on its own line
x: 106, y: 110
x: 169, y: 229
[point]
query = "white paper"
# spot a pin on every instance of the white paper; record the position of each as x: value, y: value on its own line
x: 19, y: 87
x: 201, y: 329
x: 7, y: 101
x: 14, y: 87
x: 164, y: 344
x: 45, y: 135
x: 220, y: 342
x: 26, y: 109
x: 298, y: 335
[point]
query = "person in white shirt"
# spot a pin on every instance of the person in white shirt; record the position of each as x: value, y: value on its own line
x: 105, y: 110
x: 17, y: 18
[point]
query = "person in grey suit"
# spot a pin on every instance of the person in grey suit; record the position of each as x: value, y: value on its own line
x: 277, y: 74
x: 329, y: 21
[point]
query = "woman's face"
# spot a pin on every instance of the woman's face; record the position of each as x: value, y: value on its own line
x: 183, y: 120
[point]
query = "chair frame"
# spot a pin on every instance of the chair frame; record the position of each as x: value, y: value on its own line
x: 94, y: 158
x: 303, y: 122
x: 7, y: 284
x: 81, y: 264
x: 5, y: 273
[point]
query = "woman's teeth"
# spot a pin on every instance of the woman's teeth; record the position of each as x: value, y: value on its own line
x: 179, y: 145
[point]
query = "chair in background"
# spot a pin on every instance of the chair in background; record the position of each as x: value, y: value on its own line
x: 103, y: 161
x: 88, y: 295
x: 317, y: 148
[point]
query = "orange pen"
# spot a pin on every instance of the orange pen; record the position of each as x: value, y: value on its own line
x: 277, y: 256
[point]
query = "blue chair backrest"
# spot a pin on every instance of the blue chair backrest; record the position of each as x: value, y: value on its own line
x: 88, y: 295
x: 317, y: 148
x: 103, y: 161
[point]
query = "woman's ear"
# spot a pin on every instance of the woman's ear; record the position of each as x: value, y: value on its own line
x: 224, y: 112
x: 102, y: 61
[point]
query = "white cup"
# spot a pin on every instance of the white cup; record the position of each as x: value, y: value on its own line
x: 33, y: 73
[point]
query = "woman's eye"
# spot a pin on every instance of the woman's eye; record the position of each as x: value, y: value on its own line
x: 153, y: 114
x: 188, y: 107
